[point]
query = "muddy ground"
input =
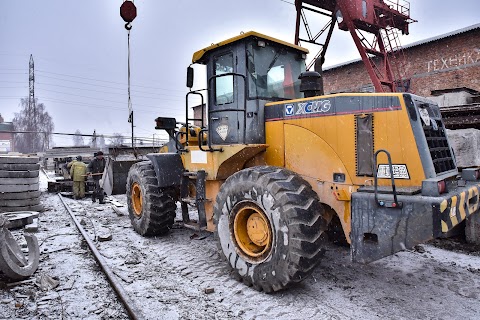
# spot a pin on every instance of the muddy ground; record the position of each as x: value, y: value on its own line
x: 167, y: 277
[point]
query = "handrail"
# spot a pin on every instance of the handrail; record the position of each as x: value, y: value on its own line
x: 196, y: 92
x: 178, y: 145
x: 209, y: 143
x: 401, y: 6
x: 394, y: 189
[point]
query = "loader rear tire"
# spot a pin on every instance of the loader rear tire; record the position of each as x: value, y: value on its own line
x: 269, y: 227
x: 151, y: 209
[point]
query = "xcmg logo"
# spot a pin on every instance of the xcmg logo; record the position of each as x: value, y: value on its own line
x: 311, y: 107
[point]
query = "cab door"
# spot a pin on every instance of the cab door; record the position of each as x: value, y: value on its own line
x: 226, y: 99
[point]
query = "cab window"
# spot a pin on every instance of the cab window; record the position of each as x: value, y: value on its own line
x: 273, y: 72
x: 224, y: 85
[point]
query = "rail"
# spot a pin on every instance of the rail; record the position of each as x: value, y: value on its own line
x: 117, y: 287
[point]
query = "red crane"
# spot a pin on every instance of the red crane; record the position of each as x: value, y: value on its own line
x: 374, y: 26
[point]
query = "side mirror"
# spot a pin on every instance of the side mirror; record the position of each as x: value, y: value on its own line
x: 190, y: 77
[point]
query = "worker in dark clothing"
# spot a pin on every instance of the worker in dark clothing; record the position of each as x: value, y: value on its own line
x: 95, y: 169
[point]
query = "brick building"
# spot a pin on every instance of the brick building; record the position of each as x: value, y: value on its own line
x: 450, y: 60
x: 6, y: 138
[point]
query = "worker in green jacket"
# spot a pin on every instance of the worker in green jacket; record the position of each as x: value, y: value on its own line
x: 78, y: 172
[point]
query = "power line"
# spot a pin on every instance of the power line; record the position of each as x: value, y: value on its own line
x: 16, y: 73
x: 88, y: 105
x: 92, y: 90
x: 107, y: 81
x: 94, y: 98
x: 98, y: 85
x: 86, y: 83
x: 13, y: 87
x: 106, y: 92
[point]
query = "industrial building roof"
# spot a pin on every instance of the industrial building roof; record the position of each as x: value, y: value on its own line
x: 416, y: 44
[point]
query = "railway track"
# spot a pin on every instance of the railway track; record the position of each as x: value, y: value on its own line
x: 129, y: 305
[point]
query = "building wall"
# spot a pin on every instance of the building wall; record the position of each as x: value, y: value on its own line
x: 451, y: 62
x: 197, y: 114
x: 6, y: 137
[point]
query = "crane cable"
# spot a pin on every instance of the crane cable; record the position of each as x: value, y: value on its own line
x: 128, y: 12
x: 130, y: 108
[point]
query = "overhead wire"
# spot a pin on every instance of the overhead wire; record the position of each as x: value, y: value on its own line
x: 106, y: 92
x: 95, y: 98
x: 107, y: 81
x: 66, y: 102
x: 102, y: 86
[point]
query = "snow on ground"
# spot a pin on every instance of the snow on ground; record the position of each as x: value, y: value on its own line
x: 167, y: 276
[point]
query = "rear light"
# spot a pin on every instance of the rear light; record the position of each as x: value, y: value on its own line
x: 477, y: 174
x: 442, y: 186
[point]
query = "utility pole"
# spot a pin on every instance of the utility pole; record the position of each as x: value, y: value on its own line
x: 32, y: 110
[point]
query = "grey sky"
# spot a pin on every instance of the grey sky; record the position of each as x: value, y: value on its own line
x: 80, y: 56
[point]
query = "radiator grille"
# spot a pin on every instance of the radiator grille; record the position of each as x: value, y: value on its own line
x: 438, y: 146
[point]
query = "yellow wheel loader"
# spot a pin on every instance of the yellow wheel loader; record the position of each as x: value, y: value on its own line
x: 276, y: 166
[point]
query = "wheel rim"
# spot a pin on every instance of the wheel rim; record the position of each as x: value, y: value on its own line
x: 252, y: 231
x: 137, y: 199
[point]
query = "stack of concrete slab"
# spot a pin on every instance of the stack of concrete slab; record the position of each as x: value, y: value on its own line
x: 19, y: 188
x: 466, y: 146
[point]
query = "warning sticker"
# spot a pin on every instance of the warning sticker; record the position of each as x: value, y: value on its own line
x: 424, y: 115
x: 222, y: 131
x: 400, y: 171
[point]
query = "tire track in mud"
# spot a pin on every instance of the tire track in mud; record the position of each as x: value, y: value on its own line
x: 177, y: 260
x: 199, y: 263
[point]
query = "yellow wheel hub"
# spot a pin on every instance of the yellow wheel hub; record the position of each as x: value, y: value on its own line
x: 252, y: 231
x: 137, y: 199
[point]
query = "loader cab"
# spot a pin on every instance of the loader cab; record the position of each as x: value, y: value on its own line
x: 244, y: 73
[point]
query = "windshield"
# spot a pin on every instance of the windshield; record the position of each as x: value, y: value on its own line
x: 273, y: 72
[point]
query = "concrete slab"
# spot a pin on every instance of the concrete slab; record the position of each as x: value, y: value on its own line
x: 466, y: 146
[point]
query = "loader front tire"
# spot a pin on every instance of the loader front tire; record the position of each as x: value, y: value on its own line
x: 269, y: 227
x: 151, y: 209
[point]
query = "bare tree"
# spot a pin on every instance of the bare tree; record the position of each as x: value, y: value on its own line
x: 101, y: 141
x: 116, y: 140
x: 37, y: 126
x: 97, y: 141
x: 78, y: 139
